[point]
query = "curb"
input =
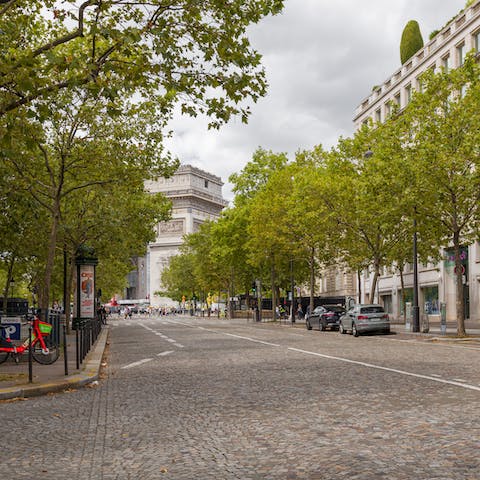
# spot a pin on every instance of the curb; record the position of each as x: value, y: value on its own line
x: 89, y: 374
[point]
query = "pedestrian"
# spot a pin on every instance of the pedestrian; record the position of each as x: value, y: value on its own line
x: 299, y: 311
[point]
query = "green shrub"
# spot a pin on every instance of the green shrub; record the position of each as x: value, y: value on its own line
x: 411, y: 42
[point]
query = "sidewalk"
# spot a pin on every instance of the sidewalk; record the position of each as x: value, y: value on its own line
x: 51, y: 378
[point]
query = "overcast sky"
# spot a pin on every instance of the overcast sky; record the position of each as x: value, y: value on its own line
x: 322, y: 58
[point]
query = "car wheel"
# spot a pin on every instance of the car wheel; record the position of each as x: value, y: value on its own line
x: 307, y: 323
x: 354, y: 330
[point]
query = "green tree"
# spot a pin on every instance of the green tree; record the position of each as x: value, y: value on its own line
x: 411, y: 42
x: 179, y: 277
x: 196, y: 53
x: 254, y: 176
x: 363, y: 196
x: 79, y: 150
x: 441, y: 134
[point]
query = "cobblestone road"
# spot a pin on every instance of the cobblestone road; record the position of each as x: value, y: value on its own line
x: 206, y: 399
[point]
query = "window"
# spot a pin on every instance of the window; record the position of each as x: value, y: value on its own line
x: 397, y: 99
x: 378, y: 116
x: 446, y: 63
x: 408, y: 94
x: 419, y: 84
x: 372, y: 310
x: 388, y: 109
x: 461, y: 54
x: 387, y: 303
x: 430, y: 298
x: 476, y: 41
x: 408, y: 295
x: 206, y: 183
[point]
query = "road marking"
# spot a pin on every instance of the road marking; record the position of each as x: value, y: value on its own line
x: 248, y: 338
x: 431, y: 344
x: 393, y: 370
x: 136, y: 364
x: 163, y: 354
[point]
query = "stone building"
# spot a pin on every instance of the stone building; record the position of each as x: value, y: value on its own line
x: 446, y: 50
x: 196, y: 197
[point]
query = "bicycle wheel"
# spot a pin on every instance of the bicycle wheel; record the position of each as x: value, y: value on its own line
x: 4, y: 356
x: 46, y: 358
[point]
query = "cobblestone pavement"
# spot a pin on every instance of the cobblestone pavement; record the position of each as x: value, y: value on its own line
x: 198, y: 398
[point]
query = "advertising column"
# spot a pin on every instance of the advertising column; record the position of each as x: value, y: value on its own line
x: 84, y: 298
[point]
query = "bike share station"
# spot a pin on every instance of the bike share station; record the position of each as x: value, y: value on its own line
x: 11, y: 321
x: 85, y: 322
x: 42, y: 341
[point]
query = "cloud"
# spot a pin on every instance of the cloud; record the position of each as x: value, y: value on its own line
x: 322, y: 59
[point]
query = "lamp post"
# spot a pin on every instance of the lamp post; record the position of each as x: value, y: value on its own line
x: 416, y: 308
x: 292, y: 286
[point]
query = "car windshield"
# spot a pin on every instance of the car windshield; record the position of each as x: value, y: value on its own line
x: 335, y: 308
x: 372, y: 309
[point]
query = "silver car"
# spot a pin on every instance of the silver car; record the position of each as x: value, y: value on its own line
x: 365, y: 319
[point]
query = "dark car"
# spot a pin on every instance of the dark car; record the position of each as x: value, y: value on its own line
x: 325, y: 316
x: 365, y: 319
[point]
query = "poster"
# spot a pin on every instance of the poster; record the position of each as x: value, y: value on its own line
x: 87, y: 291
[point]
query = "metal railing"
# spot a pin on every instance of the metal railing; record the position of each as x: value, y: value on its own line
x: 87, y: 331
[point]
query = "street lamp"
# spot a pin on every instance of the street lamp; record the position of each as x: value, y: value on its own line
x: 292, y: 286
x: 416, y: 308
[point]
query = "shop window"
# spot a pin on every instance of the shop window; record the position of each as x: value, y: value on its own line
x: 430, y: 299
x: 387, y: 303
x: 408, y: 297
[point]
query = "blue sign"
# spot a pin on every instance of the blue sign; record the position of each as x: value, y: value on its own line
x: 13, y: 328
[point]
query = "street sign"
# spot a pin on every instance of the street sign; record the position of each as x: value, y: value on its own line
x: 13, y: 327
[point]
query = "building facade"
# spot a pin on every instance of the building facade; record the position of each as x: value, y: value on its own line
x: 436, y: 281
x: 196, y: 197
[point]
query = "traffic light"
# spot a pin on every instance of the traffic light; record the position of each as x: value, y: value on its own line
x: 254, y: 287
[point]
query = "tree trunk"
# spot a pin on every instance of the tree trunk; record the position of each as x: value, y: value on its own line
x: 7, y: 285
x: 371, y: 296
x: 402, y: 284
x: 459, y: 286
x: 68, y: 294
x: 359, y: 283
x: 44, y: 292
x: 312, y: 280
x: 274, y: 292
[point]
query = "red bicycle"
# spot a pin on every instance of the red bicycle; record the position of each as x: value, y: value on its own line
x: 44, y: 349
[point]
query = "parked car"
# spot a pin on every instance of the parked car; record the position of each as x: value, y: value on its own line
x: 325, y: 316
x: 364, y: 319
